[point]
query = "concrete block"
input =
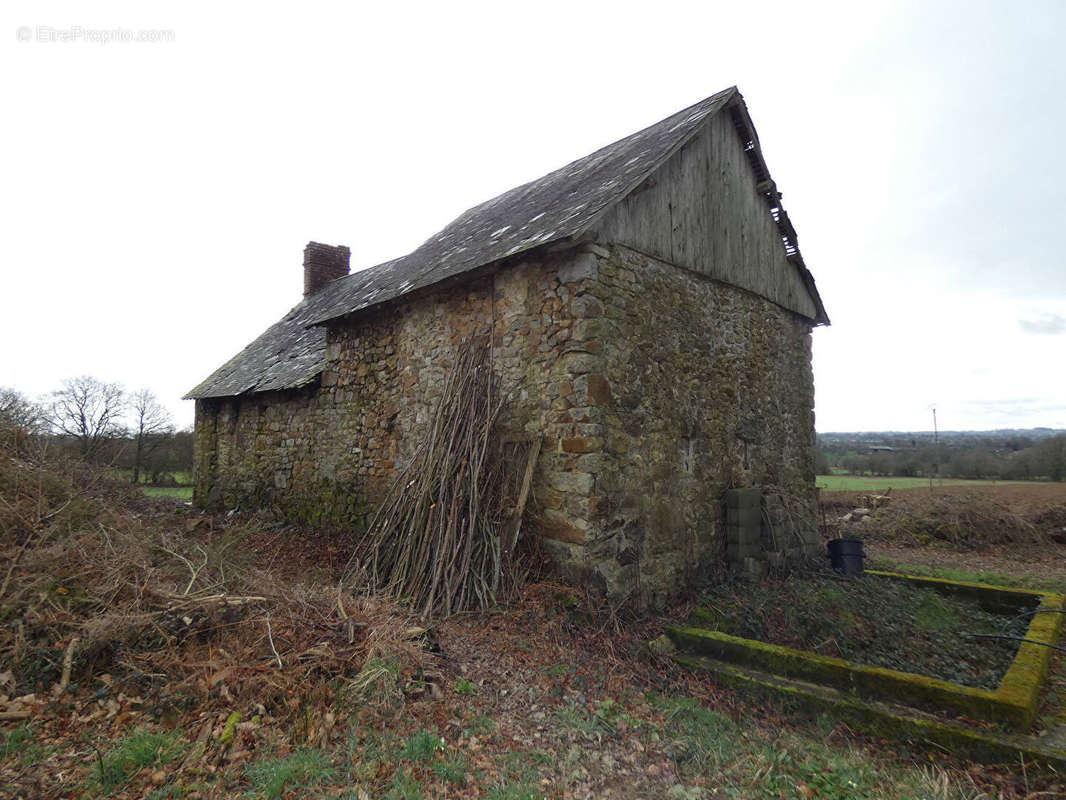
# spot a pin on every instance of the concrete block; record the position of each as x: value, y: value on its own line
x: 743, y: 551
x: 744, y: 517
x: 735, y: 535
x: 754, y: 569
x: 743, y: 498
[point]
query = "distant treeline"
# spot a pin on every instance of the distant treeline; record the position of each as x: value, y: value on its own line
x: 103, y: 424
x: 1012, y: 456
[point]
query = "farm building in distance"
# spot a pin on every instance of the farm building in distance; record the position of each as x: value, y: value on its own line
x: 650, y: 317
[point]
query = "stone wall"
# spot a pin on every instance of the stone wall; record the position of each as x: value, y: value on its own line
x: 701, y: 387
x: 327, y: 452
x: 654, y: 390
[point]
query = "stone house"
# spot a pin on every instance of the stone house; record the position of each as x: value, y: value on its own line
x: 650, y: 318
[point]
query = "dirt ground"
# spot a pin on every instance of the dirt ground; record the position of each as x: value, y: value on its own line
x: 1046, y: 563
x: 249, y: 674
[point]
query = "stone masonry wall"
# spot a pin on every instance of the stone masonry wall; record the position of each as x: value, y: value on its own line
x: 654, y: 390
x: 326, y: 453
x: 703, y: 387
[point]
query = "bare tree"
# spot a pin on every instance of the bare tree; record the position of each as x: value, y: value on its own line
x: 18, y: 412
x: 151, y: 425
x: 88, y: 410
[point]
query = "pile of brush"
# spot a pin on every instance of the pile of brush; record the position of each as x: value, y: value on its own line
x: 98, y: 580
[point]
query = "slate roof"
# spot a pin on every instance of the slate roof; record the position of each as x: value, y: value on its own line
x: 560, y: 205
x: 287, y: 355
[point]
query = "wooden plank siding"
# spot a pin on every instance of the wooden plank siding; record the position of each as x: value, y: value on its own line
x: 701, y: 210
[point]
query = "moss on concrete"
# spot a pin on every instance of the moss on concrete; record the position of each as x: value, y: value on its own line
x: 1013, y: 704
x: 998, y: 599
x: 881, y: 719
x: 875, y: 682
x: 1022, y: 684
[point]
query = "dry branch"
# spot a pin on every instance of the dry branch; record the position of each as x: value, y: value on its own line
x: 116, y: 583
x: 436, y: 538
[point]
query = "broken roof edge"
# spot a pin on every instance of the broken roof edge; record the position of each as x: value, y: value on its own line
x: 767, y: 187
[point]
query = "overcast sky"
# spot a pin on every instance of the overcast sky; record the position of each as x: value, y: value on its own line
x: 157, y: 195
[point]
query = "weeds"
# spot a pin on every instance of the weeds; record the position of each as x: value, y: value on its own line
x: 16, y: 742
x: 514, y: 791
x: 304, y: 769
x: 404, y: 787
x: 452, y: 769
x: 464, y: 688
x: 422, y: 746
x: 140, y: 749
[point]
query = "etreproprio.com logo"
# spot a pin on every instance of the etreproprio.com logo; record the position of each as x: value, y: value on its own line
x: 78, y: 34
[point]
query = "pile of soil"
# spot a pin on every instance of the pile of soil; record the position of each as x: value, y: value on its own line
x: 960, y: 517
x: 869, y: 620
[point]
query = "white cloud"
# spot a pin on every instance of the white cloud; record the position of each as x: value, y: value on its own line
x: 1045, y: 324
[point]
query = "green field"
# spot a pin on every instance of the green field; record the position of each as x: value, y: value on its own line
x: 181, y: 477
x: 854, y: 483
x: 177, y: 492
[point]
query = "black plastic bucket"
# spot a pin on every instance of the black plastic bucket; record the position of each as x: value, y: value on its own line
x: 845, y: 555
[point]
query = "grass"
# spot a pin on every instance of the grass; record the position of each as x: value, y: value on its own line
x: 452, y: 769
x: 181, y: 477
x: 857, y: 483
x: 705, y: 740
x: 404, y: 787
x: 21, y: 744
x: 514, y: 791
x: 15, y: 742
x: 745, y: 760
x: 273, y: 777
x: 177, y: 492
x: 133, y: 753
x: 422, y: 746
x: 377, y: 684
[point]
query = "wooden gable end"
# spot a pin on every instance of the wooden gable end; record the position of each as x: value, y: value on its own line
x: 702, y: 210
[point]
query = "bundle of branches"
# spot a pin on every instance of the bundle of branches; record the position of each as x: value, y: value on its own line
x: 441, y: 537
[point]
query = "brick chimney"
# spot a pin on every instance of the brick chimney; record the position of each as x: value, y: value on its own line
x: 322, y: 264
